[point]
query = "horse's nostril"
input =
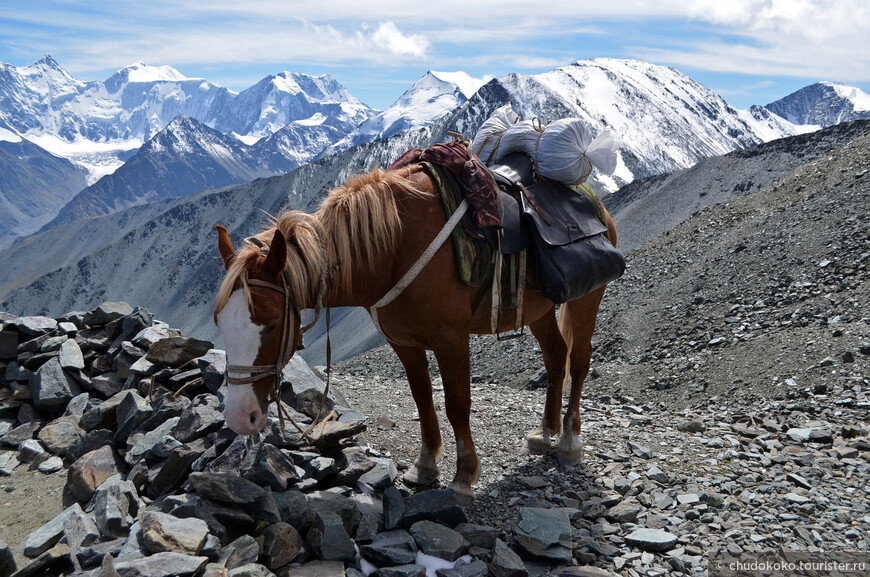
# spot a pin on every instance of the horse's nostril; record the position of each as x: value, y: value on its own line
x: 253, y: 417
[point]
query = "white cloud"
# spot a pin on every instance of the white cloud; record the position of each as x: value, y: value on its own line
x: 388, y: 37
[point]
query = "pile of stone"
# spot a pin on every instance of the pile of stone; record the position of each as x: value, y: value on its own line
x: 157, y: 485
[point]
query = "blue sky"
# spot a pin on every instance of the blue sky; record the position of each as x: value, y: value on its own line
x: 749, y: 51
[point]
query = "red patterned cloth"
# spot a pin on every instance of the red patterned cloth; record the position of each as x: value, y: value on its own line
x: 477, y: 182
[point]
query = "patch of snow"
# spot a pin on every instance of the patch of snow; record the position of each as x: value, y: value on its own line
x: 8, y: 135
x: 250, y: 140
x: 860, y: 100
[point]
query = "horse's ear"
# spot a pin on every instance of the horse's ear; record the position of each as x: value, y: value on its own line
x: 225, y: 246
x: 277, y: 257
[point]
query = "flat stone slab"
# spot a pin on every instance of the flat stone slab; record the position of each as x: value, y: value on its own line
x: 654, y: 540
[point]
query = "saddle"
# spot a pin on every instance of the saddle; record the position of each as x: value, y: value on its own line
x: 561, y: 229
x: 571, y: 254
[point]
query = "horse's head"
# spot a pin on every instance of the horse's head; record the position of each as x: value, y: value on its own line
x: 259, y: 321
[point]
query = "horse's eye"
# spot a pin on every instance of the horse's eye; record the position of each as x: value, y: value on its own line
x: 270, y: 328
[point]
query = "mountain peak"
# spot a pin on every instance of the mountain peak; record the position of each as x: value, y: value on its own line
x: 141, y: 72
x: 824, y: 104
x: 466, y: 83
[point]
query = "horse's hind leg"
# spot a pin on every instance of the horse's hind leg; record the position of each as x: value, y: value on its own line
x: 577, y: 323
x: 452, y: 353
x: 424, y: 471
x: 554, y: 351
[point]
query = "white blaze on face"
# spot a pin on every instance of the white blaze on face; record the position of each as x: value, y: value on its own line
x: 242, y: 343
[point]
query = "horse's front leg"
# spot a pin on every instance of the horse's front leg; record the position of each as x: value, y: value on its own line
x: 424, y: 471
x: 453, y: 360
x: 554, y: 351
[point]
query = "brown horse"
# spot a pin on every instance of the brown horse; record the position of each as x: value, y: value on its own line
x: 367, y: 234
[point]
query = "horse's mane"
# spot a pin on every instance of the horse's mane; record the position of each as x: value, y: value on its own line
x: 357, y: 222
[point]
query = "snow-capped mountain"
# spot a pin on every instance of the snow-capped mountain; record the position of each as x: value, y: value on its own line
x: 665, y: 119
x: 186, y: 156
x: 823, y: 104
x: 98, y: 124
x: 287, y: 98
x: 429, y: 99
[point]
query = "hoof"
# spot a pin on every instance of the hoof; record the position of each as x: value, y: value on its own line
x: 464, y: 493
x: 570, y: 450
x: 566, y: 459
x: 421, y: 476
x: 537, y: 442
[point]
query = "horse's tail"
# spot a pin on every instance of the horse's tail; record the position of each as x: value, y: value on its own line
x: 566, y: 328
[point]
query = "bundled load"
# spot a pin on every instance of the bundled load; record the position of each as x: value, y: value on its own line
x: 564, y: 150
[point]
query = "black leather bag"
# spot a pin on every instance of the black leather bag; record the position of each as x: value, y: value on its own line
x: 571, y: 253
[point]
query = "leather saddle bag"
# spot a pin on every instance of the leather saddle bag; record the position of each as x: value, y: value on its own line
x: 571, y: 253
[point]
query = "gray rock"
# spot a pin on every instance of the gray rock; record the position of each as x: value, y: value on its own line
x: 8, y: 566
x: 177, y: 351
x: 657, y: 475
x: 163, y: 532
x: 131, y: 412
x: 281, y: 544
x: 59, y: 435
x: 174, y: 471
x: 624, y: 512
x: 148, y: 336
x: 103, y: 415
x: 640, y: 450
x: 146, y: 444
x: 71, y: 357
x: 34, y: 326
x: 213, y: 365
x: 80, y: 533
x: 226, y: 488
x: 329, y: 539
x: 251, y: 570
x: 106, y: 313
x: 315, y: 569
x: 294, y: 509
x: 67, y: 328
x: 115, y: 503
x: 77, y: 406
x: 439, y: 505
x: 654, y: 540
x: 394, y: 508
x: 437, y: 540
x: 506, y: 563
x: 51, y: 387
x: 20, y: 434
x: 161, y: 565
x: 143, y: 366
x: 202, y: 417
x: 49, y: 534
x: 478, y: 535
x: 303, y: 390
x: 411, y: 570
x: 544, y: 533
x: 240, y: 552
x: 89, y: 472
x: 8, y: 462
x: 395, y: 547
x: 29, y: 450
x: 328, y: 501
x: 51, y: 465
x: 475, y: 568
x: 381, y: 476
x: 269, y: 466
x: 8, y: 344
x: 93, y: 556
